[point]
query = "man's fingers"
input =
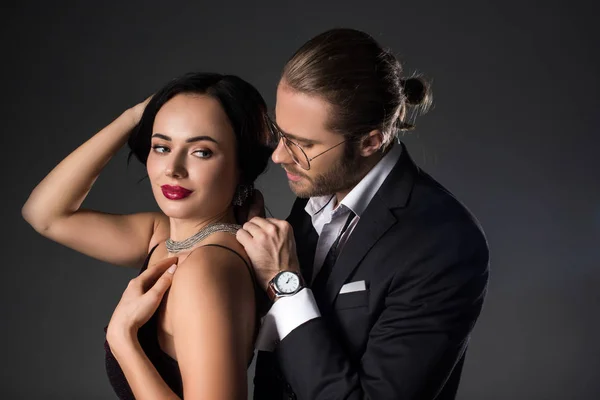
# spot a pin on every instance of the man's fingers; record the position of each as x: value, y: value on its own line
x: 266, y: 225
x: 281, y: 224
x: 261, y: 222
x: 262, y: 228
x: 252, y: 228
x: 243, y: 237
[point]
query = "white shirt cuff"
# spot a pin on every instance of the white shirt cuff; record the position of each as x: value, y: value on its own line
x: 285, y: 315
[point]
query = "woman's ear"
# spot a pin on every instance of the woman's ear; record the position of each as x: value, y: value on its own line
x: 371, y: 143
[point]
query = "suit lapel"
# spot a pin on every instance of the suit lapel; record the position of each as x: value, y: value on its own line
x: 305, y: 236
x: 376, y: 220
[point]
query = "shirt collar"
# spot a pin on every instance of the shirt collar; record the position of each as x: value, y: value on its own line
x: 361, y: 195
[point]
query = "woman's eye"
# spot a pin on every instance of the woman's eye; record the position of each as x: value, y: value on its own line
x: 160, y: 149
x: 203, y: 153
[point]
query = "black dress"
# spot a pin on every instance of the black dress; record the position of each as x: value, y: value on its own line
x: 167, y: 367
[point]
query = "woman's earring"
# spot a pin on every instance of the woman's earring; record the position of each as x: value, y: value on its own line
x: 242, y: 192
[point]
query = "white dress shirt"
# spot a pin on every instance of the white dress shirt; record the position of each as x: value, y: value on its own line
x: 288, y: 313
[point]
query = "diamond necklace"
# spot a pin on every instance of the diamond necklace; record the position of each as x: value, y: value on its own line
x: 175, y: 247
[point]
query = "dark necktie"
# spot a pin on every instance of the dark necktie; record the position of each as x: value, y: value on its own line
x: 318, y: 285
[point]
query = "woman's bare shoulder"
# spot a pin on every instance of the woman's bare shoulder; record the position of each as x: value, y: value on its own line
x: 221, y: 261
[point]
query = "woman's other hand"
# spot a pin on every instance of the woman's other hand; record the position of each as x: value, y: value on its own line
x: 137, y: 111
x: 140, y: 300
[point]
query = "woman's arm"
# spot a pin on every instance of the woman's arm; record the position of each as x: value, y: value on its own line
x: 138, y: 303
x: 143, y: 378
x: 212, y: 308
x: 53, y: 208
x: 211, y: 303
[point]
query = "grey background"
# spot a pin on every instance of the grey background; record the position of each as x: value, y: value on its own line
x: 513, y: 134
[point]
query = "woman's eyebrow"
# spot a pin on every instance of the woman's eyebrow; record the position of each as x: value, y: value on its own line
x: 188, y: 140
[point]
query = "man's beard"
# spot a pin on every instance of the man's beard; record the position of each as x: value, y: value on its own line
x: 342, y: 176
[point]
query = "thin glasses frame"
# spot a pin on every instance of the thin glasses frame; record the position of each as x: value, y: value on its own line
x: 290, y: 145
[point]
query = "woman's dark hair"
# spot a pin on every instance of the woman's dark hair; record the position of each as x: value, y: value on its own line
x: 362, y: 82
x: 243, y: 105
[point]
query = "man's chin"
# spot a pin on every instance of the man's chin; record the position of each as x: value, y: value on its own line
x: 302, y: 195
x: 300, y: 190
x: 304, y: 192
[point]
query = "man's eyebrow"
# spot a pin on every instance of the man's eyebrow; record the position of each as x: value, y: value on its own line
x: 188, y: 140
x: 294, y: 137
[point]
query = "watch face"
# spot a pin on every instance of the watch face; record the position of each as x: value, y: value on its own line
x: 287, y: 282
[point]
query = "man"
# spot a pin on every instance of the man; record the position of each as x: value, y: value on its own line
x: 376, y: 289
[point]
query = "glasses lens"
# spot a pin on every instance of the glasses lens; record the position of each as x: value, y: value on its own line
x: 273, y: 134
x: 296, y: 153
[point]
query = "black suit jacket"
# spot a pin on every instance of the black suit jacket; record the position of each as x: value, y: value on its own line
x: 424, y: 259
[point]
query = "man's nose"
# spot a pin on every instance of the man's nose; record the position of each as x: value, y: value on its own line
x: 281, y: 155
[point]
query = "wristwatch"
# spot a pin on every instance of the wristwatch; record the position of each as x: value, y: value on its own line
x: 285, y: 283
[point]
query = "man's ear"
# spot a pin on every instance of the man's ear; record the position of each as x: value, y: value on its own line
x: 371, y: 143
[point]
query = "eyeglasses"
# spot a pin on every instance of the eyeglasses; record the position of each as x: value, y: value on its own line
x: 294, y: 149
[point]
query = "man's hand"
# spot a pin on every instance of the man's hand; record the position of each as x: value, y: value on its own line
x: 271, y: 247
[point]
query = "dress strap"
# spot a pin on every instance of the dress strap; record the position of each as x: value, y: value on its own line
x: 250, y: 269
x: 145, y: 266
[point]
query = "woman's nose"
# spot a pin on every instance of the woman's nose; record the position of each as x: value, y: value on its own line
x: 176, y: 169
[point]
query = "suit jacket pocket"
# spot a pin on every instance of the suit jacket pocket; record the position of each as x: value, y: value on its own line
x: 352, y: 300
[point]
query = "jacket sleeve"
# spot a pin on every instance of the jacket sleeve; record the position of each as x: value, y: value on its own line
x: 414, y: 344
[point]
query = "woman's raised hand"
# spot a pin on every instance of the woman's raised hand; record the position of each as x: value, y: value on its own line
x: 138, y: 110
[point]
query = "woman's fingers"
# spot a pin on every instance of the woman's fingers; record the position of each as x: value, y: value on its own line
x: 147, y: 278
x: 163, y: 283
x: 166, y: 263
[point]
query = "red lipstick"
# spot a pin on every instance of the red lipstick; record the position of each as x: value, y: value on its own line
x: 175, y: 192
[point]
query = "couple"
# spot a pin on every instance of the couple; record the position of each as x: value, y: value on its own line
x: 371, y: 287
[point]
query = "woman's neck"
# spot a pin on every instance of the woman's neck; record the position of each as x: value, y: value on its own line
x: 181, y: 229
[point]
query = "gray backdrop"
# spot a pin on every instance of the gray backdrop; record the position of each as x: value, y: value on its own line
x: 513, y: 134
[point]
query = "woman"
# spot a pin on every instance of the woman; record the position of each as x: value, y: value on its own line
x: 202, y: 138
